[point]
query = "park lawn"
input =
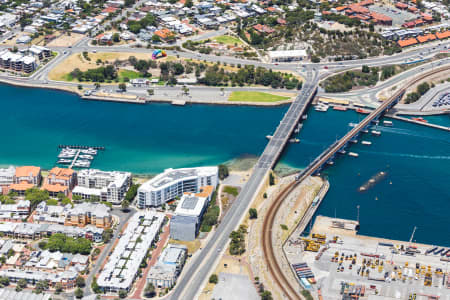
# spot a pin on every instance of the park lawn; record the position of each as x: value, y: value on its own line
x: 227, y: 40
x: 248, y: 96
x: 128, y: 73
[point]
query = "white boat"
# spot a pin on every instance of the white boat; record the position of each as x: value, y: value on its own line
x: 321, y: 107
x: 305, y: 117
x: 64, y: 161
x: 330, y: 162
x: 294, y: 140
x: 89, y: 151
x: 86, y: 156
x: 342, y: 151
x: 387, y: 123
x: 354, y: 141
x: 268, y: 137
x: 352, y: 124
x: 66, y: 155
x: 353, y: 154
x: 364, y: 131
x: 376, y: 132
x: 366, y: 143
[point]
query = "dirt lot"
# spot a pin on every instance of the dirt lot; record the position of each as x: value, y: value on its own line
x: 66, y: 40
x: 78, y: 61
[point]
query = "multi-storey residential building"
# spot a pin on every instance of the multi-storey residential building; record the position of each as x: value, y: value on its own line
x: 25, y: 178
x: 6, y: 178
x: 185, y: 224
x: 17, y: 62
x: 123, y: 264
x: 109, y: 186
x: 173, y: 183
x: 89, y: 213
x: 169, y: 265
x: 14, y: 212
x: 60, y: 180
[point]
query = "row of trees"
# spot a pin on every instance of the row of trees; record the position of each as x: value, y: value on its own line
x: 212, y: 214
x: 346, y: 81
x: 60, y: 242
x: 100, y: 74
x: 237, y: 244
x: 421, y: 90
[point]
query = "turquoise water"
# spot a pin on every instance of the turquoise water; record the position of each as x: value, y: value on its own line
x: 138, y: 138
x: 415, y: 191
x: 150, y: 138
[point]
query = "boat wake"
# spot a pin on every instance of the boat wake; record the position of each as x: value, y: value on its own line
x: 408, y: 132
x: 407, y: 155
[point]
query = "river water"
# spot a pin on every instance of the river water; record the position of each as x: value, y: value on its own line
x: 149, y: 138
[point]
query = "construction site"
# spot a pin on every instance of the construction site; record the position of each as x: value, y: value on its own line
x: 334, y: 262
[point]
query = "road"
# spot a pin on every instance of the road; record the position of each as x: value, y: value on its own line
x: 199, y: 268
x: 123, y: 217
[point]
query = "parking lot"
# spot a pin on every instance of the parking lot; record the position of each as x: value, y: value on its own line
x: 398, y: 16
x: 373, y: 268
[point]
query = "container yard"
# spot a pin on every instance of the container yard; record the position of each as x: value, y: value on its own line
x: 337, y: 263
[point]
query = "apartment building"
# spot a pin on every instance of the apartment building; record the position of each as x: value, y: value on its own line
x: 85, y: 213
x: 169, y: 265
x: 6, y: 178
x: 17, y: 62
x: 174, y: 183
x: 25, y: 178
x: 60, y: 180
x: 15, y: 212
x: 185, y: 224
x: 108, y: 186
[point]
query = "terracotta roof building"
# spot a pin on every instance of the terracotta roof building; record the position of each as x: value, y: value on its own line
x: 407, y: 42
x: 60, y: 180
x: 26, y: 177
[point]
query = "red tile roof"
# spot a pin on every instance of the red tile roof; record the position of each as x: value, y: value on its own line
x: 407, y: 42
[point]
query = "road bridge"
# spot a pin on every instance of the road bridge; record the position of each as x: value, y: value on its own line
x: 197, y: 271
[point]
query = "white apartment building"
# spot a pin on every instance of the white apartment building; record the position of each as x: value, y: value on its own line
x: 109, y: 186
x: 174, y: 183
x: 7, y: 175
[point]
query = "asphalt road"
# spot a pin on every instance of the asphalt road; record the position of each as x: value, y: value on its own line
x: 123, y: 217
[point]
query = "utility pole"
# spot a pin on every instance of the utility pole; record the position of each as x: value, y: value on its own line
x: 357, y: 216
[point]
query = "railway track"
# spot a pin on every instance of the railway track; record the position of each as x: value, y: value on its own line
x: 287, y: 287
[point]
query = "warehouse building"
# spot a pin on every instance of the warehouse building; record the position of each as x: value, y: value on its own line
x: 287, y: 55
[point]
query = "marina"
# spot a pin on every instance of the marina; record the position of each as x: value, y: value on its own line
x: 78, y: 156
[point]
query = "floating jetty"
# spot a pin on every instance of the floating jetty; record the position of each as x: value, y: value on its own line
x: 372, y: 181
x: 81, y: 147
x: 77, y: 155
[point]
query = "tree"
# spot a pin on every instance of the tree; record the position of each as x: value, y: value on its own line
x: 123, y: 87
x: 80, y: 282
x: 271, y: 179
x: 4, y: 281
x: 97, y: 85
x: 188, y: 3
x: 149, y: 290
x: 58, y: 288
x: 77, y: 198
x: 116, y: 38
x: 223, y: 171
x: 315, y: 59
x: 122, y: 294
x: 107, y: 235
x: 94, y: 286
x: 266, y: 295
x: 151, y: 92
x: 365, y: 69
x: 423, y: 88
x: 125, y: 205
x: 253, y: 213
x: 79, y: 293
x: 213, y: 279
x: 22, y: 283
x: 156, y: 39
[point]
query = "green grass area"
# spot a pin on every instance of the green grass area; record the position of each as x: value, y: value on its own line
x: 128, y: 73
x: 227, y: 40
x: 245, y: 96
x: 230, y: 190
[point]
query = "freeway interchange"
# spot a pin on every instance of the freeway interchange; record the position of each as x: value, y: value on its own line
x: 197, y: 271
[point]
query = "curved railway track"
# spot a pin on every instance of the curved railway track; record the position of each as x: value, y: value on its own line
x: 289, y: 288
